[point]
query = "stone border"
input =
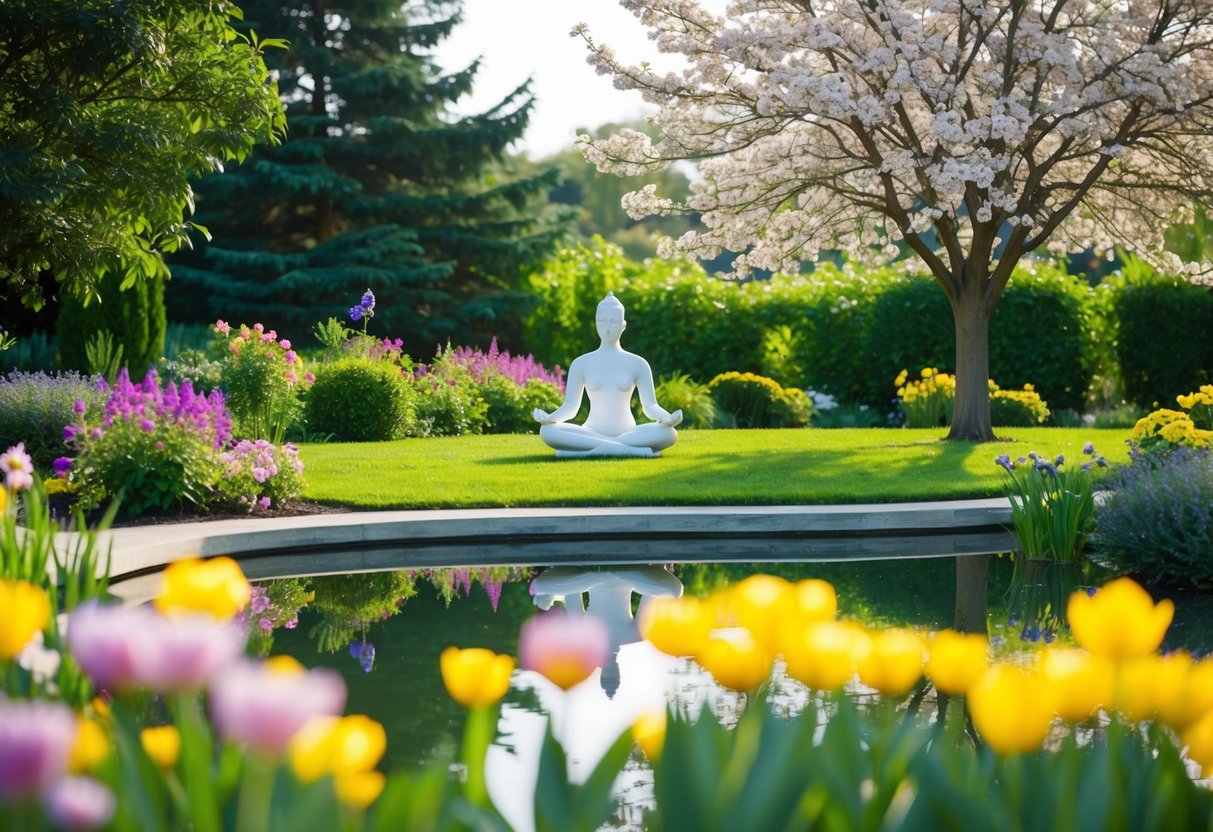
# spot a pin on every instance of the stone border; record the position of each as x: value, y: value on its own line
x: 597, y: 535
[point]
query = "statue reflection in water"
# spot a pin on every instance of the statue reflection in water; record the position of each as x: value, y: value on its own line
x: 607, y: 595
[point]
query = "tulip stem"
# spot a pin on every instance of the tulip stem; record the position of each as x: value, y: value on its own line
x: 256, y: 792
x: 477, y: 735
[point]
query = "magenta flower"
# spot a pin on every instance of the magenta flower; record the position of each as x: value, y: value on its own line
x: 80, y: 804
x: 18, y: 468
x: 265, y: 502
x: 565, y: 648
x: 62, y: 465
x: 126, y: 648
x: 35, y: 741
x: 263, y: 705
x: 147, y: 425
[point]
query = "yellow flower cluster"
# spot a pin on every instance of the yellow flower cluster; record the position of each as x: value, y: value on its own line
x: 736, y: 635
x: 1172, y: 428
x: 1199, y: 406
x: 1027, y: 399
x: 926, y: 399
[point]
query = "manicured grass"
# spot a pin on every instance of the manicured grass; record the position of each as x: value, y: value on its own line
x: 722, y: 467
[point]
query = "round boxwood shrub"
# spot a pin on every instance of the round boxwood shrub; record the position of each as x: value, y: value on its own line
x: 360, y: 400
x: 746, y: 400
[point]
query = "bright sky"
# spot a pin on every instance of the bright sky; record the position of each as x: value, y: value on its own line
x: 517, y: 39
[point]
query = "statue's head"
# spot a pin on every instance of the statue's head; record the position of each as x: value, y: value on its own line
x: 609, y: 317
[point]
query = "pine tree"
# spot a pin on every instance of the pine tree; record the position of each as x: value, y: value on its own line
x: 375, y: 187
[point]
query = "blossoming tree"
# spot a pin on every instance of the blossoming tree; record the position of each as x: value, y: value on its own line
x: 970, y: 132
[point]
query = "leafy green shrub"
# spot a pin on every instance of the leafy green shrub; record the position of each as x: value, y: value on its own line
x: 746, y: 400
x: 154, y: 448
x: 1147, y: 305
x: 847, y: 416
x: 258, y: 376
x: 134, y: 317
x: 449, y: 402
x: 1157, y: 521
x: 35, y: 407
x: 194, y: 366
x: 360, y: 400
x: 510, y: 404
x: 679, y: 391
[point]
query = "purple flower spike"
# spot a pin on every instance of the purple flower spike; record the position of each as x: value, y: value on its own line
x: 368, y: 300
x: 356, y: 313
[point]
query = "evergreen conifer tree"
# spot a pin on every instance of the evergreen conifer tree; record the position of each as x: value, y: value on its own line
x: 375, y: 187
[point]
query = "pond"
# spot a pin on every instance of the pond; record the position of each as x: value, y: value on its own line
x: 383, y: 630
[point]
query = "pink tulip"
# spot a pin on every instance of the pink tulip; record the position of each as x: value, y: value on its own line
x: 565, y: 648
x: 35, y: 741
x: 80, y: 804
x: 125, y: 648
x: 255, y: 704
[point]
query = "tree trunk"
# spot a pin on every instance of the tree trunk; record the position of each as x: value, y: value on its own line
x: 970, y: 615
x: 971, y: 414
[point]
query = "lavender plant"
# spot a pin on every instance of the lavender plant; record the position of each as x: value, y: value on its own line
x: 1052, y: 510
x: 34, y: 407
x: 1157, y: 520
x: 154, y: 446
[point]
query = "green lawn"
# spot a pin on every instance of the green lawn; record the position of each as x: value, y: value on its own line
x: 721, y: 467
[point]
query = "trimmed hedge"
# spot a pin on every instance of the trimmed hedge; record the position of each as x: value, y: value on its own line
x: 1163, y: 342
x: 844, y: 331
x: 360, y: 400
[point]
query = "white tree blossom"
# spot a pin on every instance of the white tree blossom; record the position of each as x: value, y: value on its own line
x: 975, y: 131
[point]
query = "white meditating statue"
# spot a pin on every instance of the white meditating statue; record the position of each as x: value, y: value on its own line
x: 609, y: 374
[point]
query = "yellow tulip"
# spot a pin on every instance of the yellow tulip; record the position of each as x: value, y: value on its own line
x: 475, y: 677
x: 955, y: 661
x: 1119, y: 620
x: 1081, y: 683
x: 737, y: 663
x: 163, y: 744
x: 893, y: 663
x: 1011, y: 709
x: 814, y: 600
x: 677, y: 626
x: 760, y: 604
x: 649, y: 733
x: 1194, y: 700
x: 284, y: 666
x: 824, y: 655
x: 1199, y: 739
x: 336, y: 745
x: 90, y: 748
x: 359, y: 789
x: 1145, y: 684
x: 216, y: 587
x: 27, y: 609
